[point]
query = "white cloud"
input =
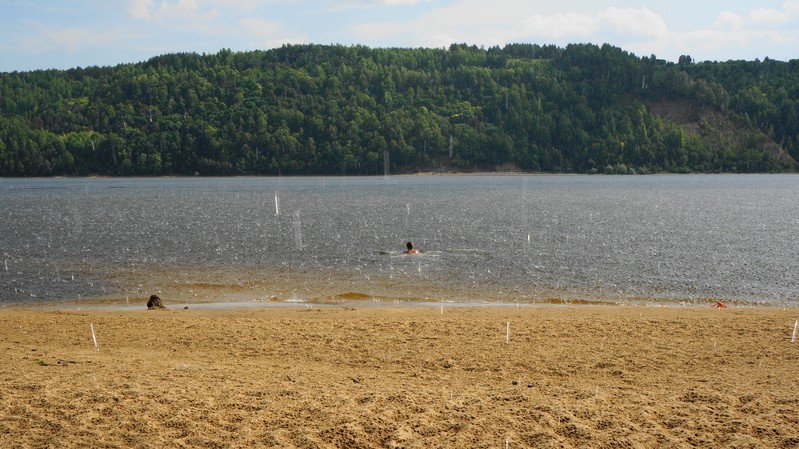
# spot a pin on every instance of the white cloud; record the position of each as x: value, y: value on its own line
x: 735, y: 35
x: 243, y: 5
x: 404, y: 2
x: 769, y: 17
x: 517, y: 20
x: 379, y: 31
x: 749, y: 35
x: 559, y: 26
x: 289, y: 40
x: 171, y: 10
x: 141, y: 9
x: 261, y: 28
x: 729, y: 20
x: 791, y: 6
x: 180, y: 8
x: 641, y: 30
x: 359, y: 4
x: 635, y: 21
x: 270, y: 33
x: 442, y: 41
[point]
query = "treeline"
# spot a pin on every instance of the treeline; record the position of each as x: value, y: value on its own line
x: 333, y: 110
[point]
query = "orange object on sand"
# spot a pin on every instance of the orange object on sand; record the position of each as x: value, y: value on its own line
x: 720, y: 305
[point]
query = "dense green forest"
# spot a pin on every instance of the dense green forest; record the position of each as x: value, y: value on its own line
x: 339, y: 110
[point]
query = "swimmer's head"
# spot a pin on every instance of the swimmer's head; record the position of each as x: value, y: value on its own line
x: 409, y: 245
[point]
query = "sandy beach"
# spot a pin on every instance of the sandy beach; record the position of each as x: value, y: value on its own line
x: 393, y: 377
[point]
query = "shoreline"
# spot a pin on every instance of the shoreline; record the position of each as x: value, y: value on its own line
x: 355, y: 301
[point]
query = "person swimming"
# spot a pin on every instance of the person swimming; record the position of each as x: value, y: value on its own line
x: 410, y: 249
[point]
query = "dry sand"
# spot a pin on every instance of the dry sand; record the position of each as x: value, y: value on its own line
x: 581, y: 376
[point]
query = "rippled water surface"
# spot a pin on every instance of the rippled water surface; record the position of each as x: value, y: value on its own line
x: 484, y: 238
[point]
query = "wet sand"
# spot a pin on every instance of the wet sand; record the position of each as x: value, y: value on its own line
x: 383, y: 377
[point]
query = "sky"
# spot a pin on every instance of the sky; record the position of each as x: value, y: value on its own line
x: 62, y: 34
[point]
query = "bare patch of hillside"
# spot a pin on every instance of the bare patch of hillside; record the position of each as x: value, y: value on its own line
x: 722, y: 132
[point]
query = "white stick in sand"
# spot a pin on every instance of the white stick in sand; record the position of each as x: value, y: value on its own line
x: 507, y: 332
x: 795, y: 326
x: 94, y: 338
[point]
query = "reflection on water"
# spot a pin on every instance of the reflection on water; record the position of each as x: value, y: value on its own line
x: 484, y: 238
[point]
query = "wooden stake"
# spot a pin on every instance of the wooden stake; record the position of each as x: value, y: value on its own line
x: 94, y: 338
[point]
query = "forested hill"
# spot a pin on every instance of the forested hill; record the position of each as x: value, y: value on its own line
x: 338, y: 110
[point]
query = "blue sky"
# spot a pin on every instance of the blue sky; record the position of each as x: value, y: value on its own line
x: 43, y: 34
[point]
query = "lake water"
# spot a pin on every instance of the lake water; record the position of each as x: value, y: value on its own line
x: 527, y: 239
